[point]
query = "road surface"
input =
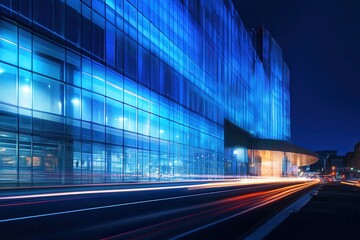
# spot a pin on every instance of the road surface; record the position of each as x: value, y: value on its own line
x: 212, y: 210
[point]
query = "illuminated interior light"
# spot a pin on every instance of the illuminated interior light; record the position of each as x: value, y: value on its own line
x: 75, y: 101
x: 25, y: 89
x: 1, y: 70
x: 161, y: 131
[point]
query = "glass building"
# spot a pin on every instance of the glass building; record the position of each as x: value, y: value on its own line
x: 135, y: 90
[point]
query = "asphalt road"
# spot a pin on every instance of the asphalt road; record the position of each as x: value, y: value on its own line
x: 333, y: 214
x: 156, y: 211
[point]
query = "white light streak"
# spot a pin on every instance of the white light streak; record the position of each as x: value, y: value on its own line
x: 8, y: 41
x: 117, y: 205
x: 26, y: 49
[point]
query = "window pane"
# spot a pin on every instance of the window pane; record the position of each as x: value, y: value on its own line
x: 48, y: 95
x: 130, y: 164
x: 129, y: 118
x: 143, y: 122
x: 110, y: 44
x: 143, y: 98
x: 73, y: 72
x: 25, y: 49
x: 8, y: 42
x: 98, y: 158
x: 73, y: 102
x: 7, y: 84
x: 59, y: 17
x: 154, y: 75
x: 119, y: 50
x: 43, y: 13
x: 114, y: 113
x: 98, y: 35
x: 73, y: 21
x: 114, y: 85
x: 86, y: 28
x: 130, y: 92
x: 25, y: 158
x: 86, y: 73
x: 144, y: 62
x: 98, y: 78
x: 98, y: 102
x: 114, y: 162
x: 48, y: 58
x: 164, y: 128
x: 25, y: 89
x: 130, y: 139
x: 130, y: 56
x: 154, y: 125
x: 8, y: 156
x: 86, y: 105
x: 25, y: 9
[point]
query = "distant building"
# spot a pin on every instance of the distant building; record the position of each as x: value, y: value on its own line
x: 330, y: 162
x: 324, y: 161
x: 349, y: 159
x: 353, y: 158
x: 337, y: 163
x: 348, y: 165
x: 356, y: 158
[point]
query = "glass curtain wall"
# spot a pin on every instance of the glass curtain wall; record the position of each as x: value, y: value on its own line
x: 129, y: 91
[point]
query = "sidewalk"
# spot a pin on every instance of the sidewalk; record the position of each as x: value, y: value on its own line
x: 333, y: 214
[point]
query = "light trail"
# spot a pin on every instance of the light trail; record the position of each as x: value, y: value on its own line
x: 218, y: 210
x: 142, y: 189
x: 248, y: 181
x: 34, y: 202
x: 353, y: 183
x: 181, y: 214
x: 120, y: 205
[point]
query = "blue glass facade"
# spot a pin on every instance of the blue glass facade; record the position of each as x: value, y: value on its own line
x: 110, y: 91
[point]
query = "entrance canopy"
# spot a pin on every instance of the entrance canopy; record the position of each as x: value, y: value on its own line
x: 277, y: 149
x: 269, y: 150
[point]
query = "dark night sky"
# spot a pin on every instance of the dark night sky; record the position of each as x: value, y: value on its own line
x: 321, y: 45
